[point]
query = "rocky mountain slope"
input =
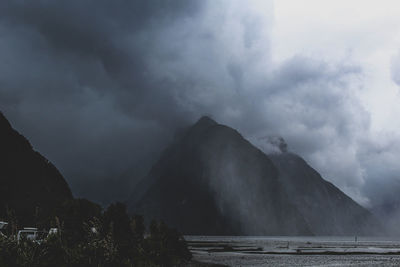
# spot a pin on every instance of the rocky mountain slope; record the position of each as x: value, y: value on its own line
x: 326, y: 209
x: 212, y: 181
x: 30, y: 185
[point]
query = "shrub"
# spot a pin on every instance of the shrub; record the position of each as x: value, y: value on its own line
x: 111, y: 239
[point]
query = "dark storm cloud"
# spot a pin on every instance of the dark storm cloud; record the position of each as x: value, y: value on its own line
x: 100, y: 87
x: 96, y: 38
x: 74, y: 80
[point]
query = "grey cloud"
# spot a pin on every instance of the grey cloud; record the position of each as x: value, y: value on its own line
x: 100, y: 87
x: 395, y: 69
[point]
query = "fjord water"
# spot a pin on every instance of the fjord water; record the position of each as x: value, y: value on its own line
x: 295, y: 250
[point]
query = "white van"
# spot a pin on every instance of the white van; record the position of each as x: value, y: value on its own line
x: 3, y: 225
x: 31, y: 233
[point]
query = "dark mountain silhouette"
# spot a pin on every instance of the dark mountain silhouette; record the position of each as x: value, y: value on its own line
x: 30, y: 185
x: 212, y: 181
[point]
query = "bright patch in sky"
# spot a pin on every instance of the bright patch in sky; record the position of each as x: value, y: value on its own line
x: 366, y: 33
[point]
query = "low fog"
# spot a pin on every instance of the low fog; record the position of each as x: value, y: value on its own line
x: 101, y: 87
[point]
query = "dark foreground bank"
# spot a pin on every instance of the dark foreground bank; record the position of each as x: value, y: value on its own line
x: 88, y: 236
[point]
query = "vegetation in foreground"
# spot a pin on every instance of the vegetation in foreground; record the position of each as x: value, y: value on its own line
x: 90, y: 237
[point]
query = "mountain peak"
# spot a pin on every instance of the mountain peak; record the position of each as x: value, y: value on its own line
x: 279, y: 143
x: 202, y: 124
x: 213, y: 181
x: 206, y: 121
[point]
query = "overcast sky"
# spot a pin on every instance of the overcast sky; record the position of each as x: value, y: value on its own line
x: 100, y: 87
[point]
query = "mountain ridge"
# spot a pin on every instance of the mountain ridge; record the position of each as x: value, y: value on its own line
x: 243, y: 190
x: 29, y: 183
